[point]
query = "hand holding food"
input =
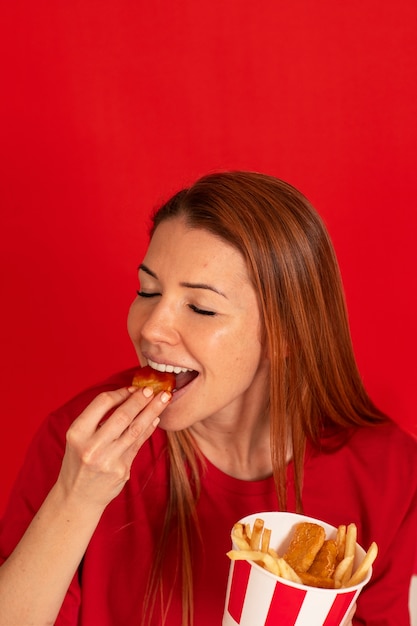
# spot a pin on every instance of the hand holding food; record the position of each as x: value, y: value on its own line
x: 310, y: 558
x: 103, y: 441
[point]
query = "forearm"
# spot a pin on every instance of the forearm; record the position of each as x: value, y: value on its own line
x: 95, y: 467
x: 36, y: 577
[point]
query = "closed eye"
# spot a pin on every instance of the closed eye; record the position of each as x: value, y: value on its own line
x: 201, y: 311
x: 196, y: 309
x: 145, y: 294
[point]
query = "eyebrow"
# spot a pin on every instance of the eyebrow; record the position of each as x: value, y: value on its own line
x: 147, y: 270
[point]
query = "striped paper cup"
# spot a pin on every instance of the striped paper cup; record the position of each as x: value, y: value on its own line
x: 255, y: 597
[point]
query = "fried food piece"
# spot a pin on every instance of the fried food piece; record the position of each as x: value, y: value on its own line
x: 362, y: 571
x: 287, y: 571
x: 341, y: 542
x: 350, y: 546
x: 256, y: 535
x: 240, y: 537
x: 324, y: 564
x: 266, y: 538
x: 316, y: 581
x: 158, y: 381
x: 307, y: 540
x: 260, y: 558
x: 344, y: 566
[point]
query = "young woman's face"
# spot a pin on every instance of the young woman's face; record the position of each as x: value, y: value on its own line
x: 197, y: 310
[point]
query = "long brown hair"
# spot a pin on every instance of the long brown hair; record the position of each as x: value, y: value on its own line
x: 315, y: 385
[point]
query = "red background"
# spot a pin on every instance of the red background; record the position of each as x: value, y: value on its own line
x: 109, y: 106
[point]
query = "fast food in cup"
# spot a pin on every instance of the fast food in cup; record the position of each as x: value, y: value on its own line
x: 304, y: 573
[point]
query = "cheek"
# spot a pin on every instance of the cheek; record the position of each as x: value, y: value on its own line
x: 133, y: 324
x: 240, y: 352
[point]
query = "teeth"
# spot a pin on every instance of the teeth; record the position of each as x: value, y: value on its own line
x: 163, y: 367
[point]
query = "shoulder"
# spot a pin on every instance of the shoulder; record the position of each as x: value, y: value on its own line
x: 377, y: 442
x: 385, y: 443
x: 389, y: 455
x: 385, y: 450
x: 387, y: 431
x: 375, y: 463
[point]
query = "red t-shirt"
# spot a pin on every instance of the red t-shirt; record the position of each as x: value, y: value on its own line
x: 371, y: 480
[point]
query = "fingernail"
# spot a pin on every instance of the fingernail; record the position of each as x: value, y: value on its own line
x: 147, y: 392
x: 156, y: 422
x: 132, y: 389
x: 165, y: 397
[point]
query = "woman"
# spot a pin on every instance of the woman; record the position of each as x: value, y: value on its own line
x: 133, y: 495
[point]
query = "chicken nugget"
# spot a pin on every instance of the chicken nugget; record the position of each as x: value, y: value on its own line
x: 307, y: 540
x: 316, y: 581
x: 324, y: 564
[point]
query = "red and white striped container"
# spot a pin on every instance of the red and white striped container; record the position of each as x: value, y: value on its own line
x: 255, y: 597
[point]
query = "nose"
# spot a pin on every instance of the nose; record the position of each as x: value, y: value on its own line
x: 160, y: 324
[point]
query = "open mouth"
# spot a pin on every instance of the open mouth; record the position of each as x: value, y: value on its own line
x: 183, y: 375
x: 184, y: 378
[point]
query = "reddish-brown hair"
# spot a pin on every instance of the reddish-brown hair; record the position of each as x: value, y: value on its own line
x: 315, y: 386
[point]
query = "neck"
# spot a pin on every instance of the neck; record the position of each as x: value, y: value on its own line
x: 241, y: 450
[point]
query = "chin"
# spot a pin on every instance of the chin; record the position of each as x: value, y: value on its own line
x: 171, y: 425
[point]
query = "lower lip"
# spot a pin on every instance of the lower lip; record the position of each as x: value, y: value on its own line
x: 178, y: 394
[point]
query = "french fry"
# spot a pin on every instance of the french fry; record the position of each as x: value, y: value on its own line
x: 350, y: 546
x: 242, y: 555
x: 341, y: 541
x: 350, y: 543
x: 362, y: 570
x: 261, y: 558
x: 257, y: 529
x: 266, y: 538
x: 273, y: 553
x: 340, y: 571
x: 239, y: 538
x: 287, y: 572
x: 271, y: 564
x: 238, y: 530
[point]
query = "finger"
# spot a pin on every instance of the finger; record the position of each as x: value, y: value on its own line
x: 100, y: 408
x: 130, y: 442
x: 129, y: 446
x: 144, y: 424
x: 123, y: 415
